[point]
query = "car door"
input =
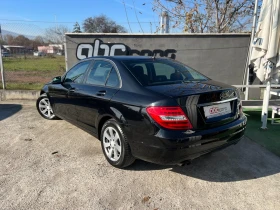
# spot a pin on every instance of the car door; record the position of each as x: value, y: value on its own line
x: 100, y: 85
x: 63, y: 102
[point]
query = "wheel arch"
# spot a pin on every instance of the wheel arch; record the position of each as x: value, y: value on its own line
x: 42, y: 92
x: 116, y: 115
x: 101, y: 123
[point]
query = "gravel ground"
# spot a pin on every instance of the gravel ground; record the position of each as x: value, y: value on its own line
x: 54, y: 165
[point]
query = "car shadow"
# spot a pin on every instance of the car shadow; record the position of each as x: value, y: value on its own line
x: 244, y: 161
x: 7, y: 110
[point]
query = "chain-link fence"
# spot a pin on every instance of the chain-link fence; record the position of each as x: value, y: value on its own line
x: 33, y: 51
x: 32, y: 54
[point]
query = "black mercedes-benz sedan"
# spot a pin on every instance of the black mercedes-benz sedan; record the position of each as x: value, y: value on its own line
x: 155, y: 109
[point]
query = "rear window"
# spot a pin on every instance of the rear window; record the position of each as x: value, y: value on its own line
x: 162, y: 71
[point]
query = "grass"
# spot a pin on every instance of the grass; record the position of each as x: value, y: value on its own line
x: 270, y: 138
x: 30, y: 73
x: 32, y: 63
x: 22, y: 86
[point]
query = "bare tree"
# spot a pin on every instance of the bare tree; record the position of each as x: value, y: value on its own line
x: 38, y: 41
x: 102, y: 24
x: 209, y: 16
x: 56, y: 34
x: 22, y: 41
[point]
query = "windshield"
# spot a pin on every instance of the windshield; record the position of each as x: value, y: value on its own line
x: 162, y: 71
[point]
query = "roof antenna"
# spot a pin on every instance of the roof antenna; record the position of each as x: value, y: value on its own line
x: 154, y: 56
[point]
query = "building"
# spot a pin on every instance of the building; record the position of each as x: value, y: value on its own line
x: 51, y: 49
x: 12, y: 49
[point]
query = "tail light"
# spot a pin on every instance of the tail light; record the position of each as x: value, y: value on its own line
x: 240, y: 108
x: 170, y: 117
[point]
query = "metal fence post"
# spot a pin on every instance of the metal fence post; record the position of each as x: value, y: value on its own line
x: 2, y: 69
x: 251, y: 48
x: 65, y: 53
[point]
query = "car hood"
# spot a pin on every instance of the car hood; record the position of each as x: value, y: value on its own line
x: 189, y: 88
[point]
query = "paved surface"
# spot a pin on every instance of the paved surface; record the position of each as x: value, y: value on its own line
x: 54, y: 165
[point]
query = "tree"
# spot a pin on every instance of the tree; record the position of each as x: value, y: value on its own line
x: 38, y: 41
x: 9, y: 39
x: 56, y: 34
x: 77, y: 28
x: 2, y: 42
x: 22, y: 41
x: 19, y: 40
x: 209, y: 16
x: 102, y: 24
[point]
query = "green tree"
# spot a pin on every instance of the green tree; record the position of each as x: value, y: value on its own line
x: 77, y: 28
x: 102, y: 24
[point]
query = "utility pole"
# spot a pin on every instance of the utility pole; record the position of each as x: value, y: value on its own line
x: 164, y: 22
x: 55, y: 22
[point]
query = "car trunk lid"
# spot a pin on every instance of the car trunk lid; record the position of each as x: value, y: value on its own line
x: 207, y: 104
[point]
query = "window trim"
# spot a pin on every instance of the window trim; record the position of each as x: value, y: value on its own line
x: 113, y: 64
x: 82, y: 81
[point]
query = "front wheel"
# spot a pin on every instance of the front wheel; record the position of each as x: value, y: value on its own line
x: 44, y: 107
x: 115, y: 146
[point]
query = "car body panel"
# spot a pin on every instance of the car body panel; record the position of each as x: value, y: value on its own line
x: 86, y: 106
x: 92, y: 101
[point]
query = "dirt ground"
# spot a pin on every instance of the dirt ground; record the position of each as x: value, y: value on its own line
x: 54, y: 165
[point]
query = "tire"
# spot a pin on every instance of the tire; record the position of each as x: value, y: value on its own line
x: 44, y: 107
x: 116, y: 150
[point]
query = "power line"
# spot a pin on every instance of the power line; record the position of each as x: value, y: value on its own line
x: 137, y: 17
x: 127, y: 16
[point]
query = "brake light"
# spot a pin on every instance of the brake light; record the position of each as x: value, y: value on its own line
x: 170, y: 117
x: 240, y: 108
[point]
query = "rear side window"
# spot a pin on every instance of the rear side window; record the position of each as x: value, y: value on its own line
x: 76, y: 74
x: 99, y: 73
x: 103, y: 73
x: 113, y: 79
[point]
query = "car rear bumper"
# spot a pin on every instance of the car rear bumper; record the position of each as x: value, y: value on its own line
x: 172, y: 147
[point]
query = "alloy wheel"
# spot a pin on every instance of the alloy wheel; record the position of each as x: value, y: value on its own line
x: 112, y: 144
x: 45, y: 108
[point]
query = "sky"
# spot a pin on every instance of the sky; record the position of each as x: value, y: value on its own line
x: 31, y: 17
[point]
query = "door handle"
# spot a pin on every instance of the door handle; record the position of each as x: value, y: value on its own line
x: 101, y: 93
x: 72, y: 89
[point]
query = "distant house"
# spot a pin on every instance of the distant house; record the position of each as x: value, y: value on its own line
x: 51, y: 49
x: 12, y: 49
x: 59, y: 46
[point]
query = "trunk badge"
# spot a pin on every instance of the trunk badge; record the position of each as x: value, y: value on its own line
x: 227, y: 94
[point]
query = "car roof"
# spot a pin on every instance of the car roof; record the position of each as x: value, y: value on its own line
x: 122, y: 58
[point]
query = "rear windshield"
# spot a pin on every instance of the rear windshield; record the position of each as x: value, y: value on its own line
x: 162, y: 71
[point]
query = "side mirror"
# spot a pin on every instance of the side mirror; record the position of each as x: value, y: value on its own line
x: 56, y: 80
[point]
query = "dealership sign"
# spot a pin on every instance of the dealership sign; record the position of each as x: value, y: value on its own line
x: 98, y: 48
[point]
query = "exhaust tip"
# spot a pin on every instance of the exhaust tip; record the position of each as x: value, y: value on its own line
x: 187, y: 162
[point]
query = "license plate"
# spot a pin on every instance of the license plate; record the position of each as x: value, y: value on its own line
x: 217, y: 110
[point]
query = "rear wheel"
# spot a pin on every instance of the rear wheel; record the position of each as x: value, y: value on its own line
x: 114, y: 145
x: 44, y: 107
